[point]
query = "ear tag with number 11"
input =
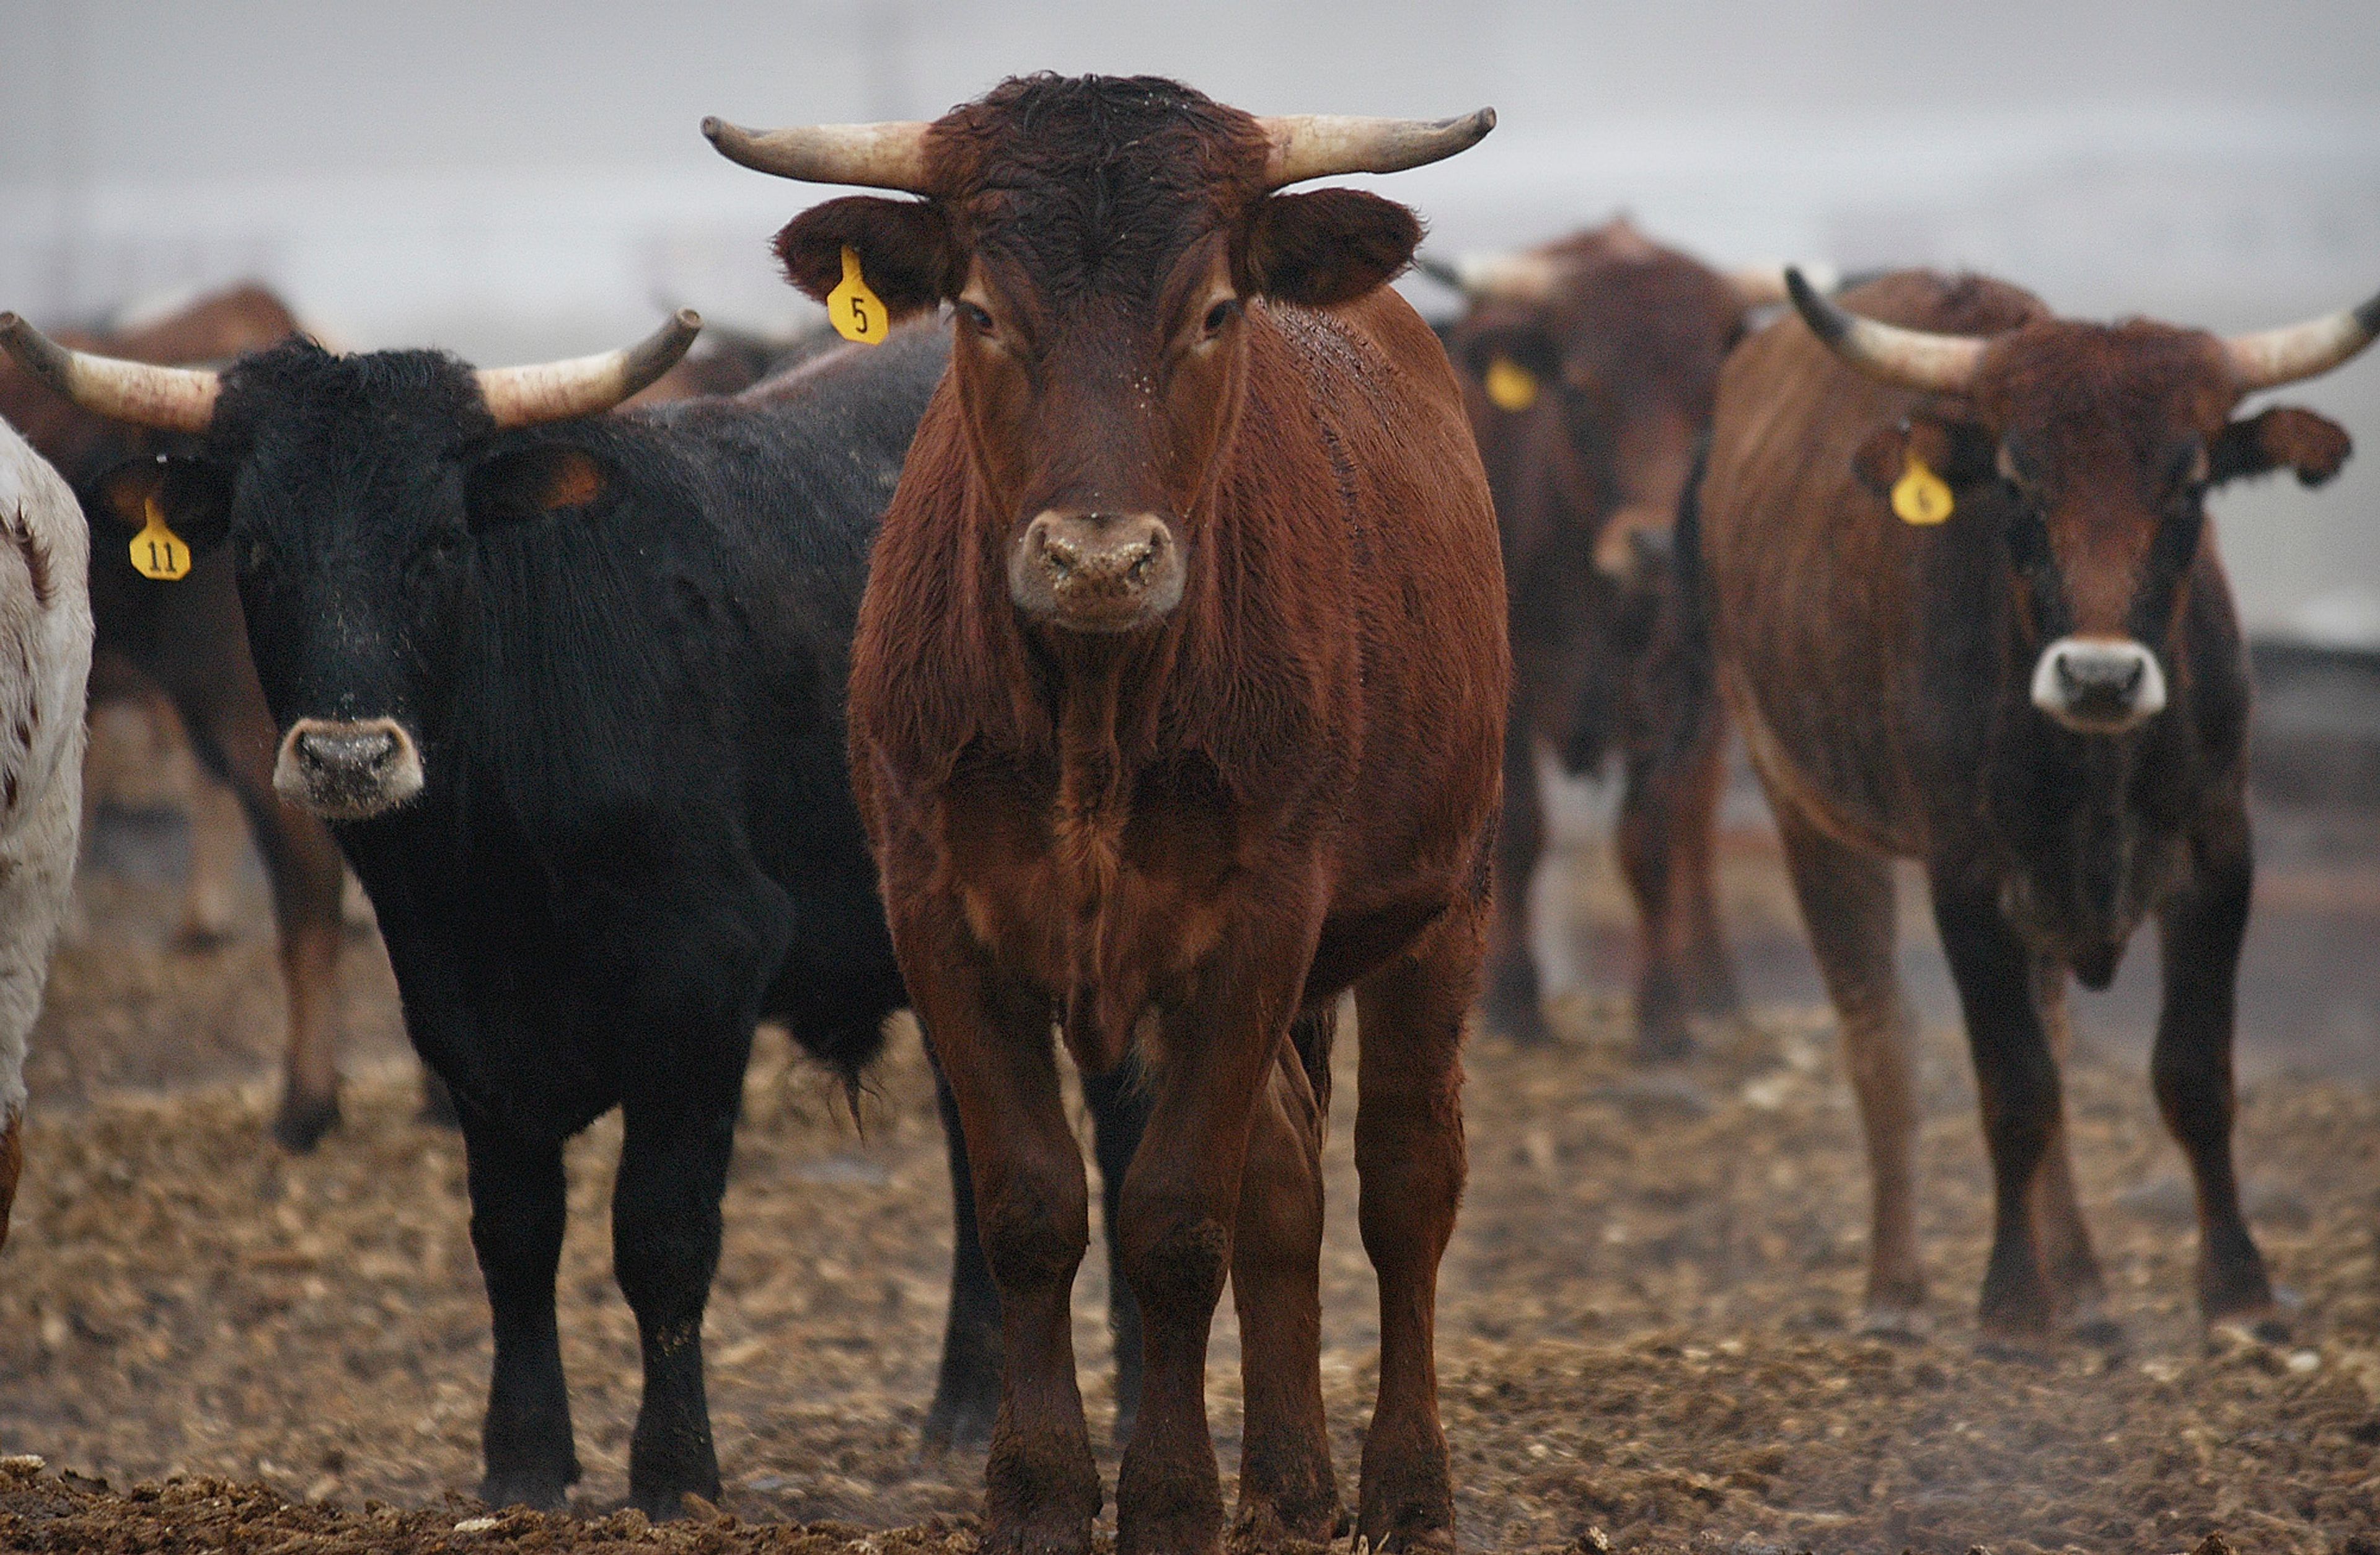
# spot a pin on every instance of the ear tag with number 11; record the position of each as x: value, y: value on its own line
x: 1920, y: 496
x: 158, y: 552
x: 853, y: 308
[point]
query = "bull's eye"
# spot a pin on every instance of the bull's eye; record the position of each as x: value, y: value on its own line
x: 977, y: 319
x: 1220, y: 314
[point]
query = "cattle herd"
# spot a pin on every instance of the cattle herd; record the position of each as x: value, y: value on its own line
x: 1149, y: 642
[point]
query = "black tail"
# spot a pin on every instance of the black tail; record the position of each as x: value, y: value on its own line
x: 1681, y: 671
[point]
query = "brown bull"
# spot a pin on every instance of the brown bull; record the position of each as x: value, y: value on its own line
x: 1964, y: 605
x: 1589, y: 365
x: 186, y: 638
x: 1176, y: 706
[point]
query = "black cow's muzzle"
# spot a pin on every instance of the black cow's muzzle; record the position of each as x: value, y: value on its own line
x: 348, y: 770
x: 2099, y: 686
x: 1095, y: 571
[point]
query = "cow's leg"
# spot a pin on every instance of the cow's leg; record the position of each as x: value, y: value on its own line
x: 665, y: 1233
x: 1119, y: 1102
x: 518, y: 1206
x: 236, y: 739
x: 1287, y: 1491
x: 1847, y: 904
x: 967, y: 1392
x: 1668, y: 812
x: 1041, y: 1488
x: 218, y: 836
x: 1182, y: 1204
x: 2017, y: 1081
x: 1409, y: 1153
x: 12, y: 1162
x: 2199, y: 935
x: 2075, y: 1282
x: 1515, y: 1002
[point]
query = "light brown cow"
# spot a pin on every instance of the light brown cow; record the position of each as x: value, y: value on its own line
x: 1962, y: 604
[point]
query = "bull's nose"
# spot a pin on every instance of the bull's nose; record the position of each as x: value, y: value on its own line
x: 363, y: 752
x: 2099, y: 686
x: 348, y: 770
x: 1095, y: 571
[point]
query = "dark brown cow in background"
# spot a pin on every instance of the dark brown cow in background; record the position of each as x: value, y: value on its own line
x: 1962, y: 604
x: 1176, y: 706
x: 1589, y: 367
x: 186, y: 638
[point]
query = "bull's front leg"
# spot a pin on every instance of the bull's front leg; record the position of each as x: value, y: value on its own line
x: 518, y: 1206
x: 991, y: 1039
x: 1180, y: 1210
x: 665, y: 1237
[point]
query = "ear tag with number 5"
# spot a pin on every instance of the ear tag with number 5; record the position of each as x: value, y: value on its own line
x: 158, y: 552
x: 1511, y: 386
x: 853, y: 309
x: 1920, y: 496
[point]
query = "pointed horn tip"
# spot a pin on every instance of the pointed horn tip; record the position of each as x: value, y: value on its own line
x: 688, y: 319
x: 714, y: 126
x: 1826, y: 321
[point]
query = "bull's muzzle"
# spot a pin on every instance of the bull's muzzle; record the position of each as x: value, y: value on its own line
x: 348, y: 770
x: 2099, y: 686
x: 1095, y: 571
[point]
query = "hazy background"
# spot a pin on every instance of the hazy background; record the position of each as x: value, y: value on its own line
x: 524, y: 180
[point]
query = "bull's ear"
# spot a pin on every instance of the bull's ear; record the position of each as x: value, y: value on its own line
x: 906, y: 253
x: 191, y: 495
x: 1960, y: 452
x: 529, y: 482
x: 1326, y: 246
x: 2283, y: 437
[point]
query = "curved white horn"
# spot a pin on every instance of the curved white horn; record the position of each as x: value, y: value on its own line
x: 169, y: 399
x: 525, y: 396
x: 1911, y: 358
x: 1322, y: 145
x: 890, y: 155
x: 2275, y: 356
x: 1762, y: 286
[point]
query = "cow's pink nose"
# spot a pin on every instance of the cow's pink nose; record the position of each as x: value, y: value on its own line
x: 1095, y: 571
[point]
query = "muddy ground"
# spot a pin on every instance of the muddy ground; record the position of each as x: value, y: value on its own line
x: 1648, y: 1333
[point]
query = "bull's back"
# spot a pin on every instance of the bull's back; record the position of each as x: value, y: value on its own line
x: 1820, y: 599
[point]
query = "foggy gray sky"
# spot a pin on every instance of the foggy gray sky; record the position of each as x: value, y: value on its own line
x: 520, y: 179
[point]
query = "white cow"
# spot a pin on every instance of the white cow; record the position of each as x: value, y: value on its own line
x: 44, y: 659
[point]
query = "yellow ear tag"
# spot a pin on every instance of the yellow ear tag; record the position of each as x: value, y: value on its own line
x: 855, y: 310
x: 1920, y: 496
x: 158, y: 552
x: 1511, y: 386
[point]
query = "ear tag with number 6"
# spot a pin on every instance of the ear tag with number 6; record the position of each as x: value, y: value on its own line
x: 853, y: 309
x: 1920, y: 496
x: 158, y: 552
x: 1511, y: 386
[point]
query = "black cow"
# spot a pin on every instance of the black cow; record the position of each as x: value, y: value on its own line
x: 570, y: 691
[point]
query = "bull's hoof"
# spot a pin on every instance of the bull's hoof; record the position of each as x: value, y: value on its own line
x: 662, y: 1504
x: 302, y: 1121
x: 1898, y: 1322
x: 2268, y: 1327
x: 961, y: 1420
x: 2092, y: 1325
x: 539, y: 1492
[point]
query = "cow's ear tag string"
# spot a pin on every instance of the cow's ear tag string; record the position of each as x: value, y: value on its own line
x: 1920, y: 496
x: 158, y: 552
x: 853, y: 309
x: 1511, y: 386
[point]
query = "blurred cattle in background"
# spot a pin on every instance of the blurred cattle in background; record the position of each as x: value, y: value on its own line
x: 45, y: 660
x: 569, y: 687
x: 1176, y: 703
x: 1962, y: 600
x: 182, y: 641
x: 1589, y: 367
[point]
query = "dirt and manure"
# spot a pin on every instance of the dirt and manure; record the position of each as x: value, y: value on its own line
x: 1650, y: 1335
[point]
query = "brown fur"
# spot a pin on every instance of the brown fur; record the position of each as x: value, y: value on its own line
x: 1880, y: 671
x: 188, y: 638
x: 1626, y: 352
x: 1184, y: 839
